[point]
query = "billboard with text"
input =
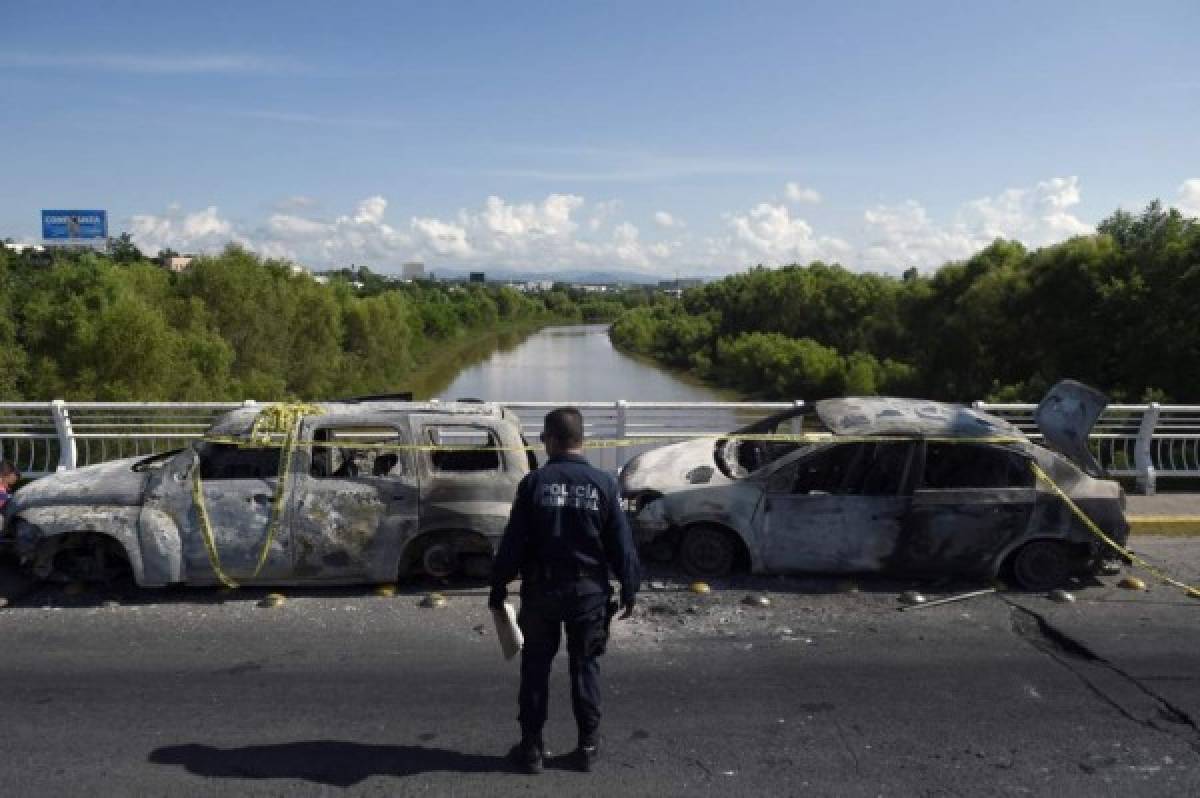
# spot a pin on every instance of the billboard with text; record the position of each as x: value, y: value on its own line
x: 83, y: 227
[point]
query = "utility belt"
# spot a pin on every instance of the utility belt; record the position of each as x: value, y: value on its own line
x: 563, y: 581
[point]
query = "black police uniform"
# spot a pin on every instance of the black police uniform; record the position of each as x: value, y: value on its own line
x: 565, y: 532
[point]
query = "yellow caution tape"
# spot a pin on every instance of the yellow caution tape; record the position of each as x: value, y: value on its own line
x: 1112, y: 544
x: 272, y: 421
x: 609, y: 443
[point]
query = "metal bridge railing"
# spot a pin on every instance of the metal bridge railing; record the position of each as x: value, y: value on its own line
x: 1144, y: 442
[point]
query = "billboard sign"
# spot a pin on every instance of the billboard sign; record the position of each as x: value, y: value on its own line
x: 75, y: 227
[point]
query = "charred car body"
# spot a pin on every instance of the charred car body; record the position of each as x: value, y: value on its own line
x: 373, y: 491
x: 887, y: 485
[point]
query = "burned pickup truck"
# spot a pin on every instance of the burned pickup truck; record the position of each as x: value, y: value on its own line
x: 370, y: 491
x: 883, y: 485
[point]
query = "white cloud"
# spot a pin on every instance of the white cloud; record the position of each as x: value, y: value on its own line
x: 537, y: 235
x: 566, y: 231
x: 1189, y: 197
x: 200, y: 231
x: 666, y: 220
x: 801, y: 194
x: 769, y: 234
x: 903, y: 235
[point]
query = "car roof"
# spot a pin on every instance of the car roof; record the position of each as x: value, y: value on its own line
x: 238, y: 423
x: 877, y: 415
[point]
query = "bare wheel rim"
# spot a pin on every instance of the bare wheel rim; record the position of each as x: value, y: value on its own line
x: 707, y: 552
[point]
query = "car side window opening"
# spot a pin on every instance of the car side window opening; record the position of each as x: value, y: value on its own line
x: 230, y: 461
x: 356, y: 451
x: 470, y: 448
x: 826, y: 471
x: 853, y: 469
x: 950, y: 466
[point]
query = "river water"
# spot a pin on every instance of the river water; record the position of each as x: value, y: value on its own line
x: 558, y: 364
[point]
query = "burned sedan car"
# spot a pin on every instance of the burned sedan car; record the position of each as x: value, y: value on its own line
x: 372, y: 491
x: 894, y: 486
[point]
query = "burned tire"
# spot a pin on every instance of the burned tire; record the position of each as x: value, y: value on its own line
x: 1042, y: 565
x: 440, y: 560
x: 707, y: 551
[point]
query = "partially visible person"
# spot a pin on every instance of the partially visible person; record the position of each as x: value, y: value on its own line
x: 9, y: 477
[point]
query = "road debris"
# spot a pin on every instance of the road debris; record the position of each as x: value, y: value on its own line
x: 911, y: 597
x: 757, y: 600
x: 700, y: 587
x: 920, y: 601
x: 3, y: 602
x: 273, y: 600
x: 1062, y: 596
x: 433, y: 601
x: 1132, y: 583
x: 385, y: 591
x: 656, y: 585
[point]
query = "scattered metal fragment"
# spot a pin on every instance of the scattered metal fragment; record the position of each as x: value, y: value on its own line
x: 273, y: 600
x: 1132, y: 583
x: 911, y: 597
x: 922, y: 602
x: 433, y: 601
x: 757, y: 600
x: 700, y: 587
x: 1062, y: 596
x: 385, y: 591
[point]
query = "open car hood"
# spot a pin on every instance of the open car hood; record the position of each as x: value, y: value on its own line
x: 1066, y: 416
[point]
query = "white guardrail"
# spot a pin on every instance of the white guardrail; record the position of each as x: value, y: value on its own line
x: 1144, y: 442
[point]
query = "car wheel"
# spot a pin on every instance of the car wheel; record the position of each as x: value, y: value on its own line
x: 707, y: 551
x: 1042, y: 565
x: 439, y: 560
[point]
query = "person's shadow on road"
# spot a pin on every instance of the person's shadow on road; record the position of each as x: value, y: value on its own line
x: 333, y: 762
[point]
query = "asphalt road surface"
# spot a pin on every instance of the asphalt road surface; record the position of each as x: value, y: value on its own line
x: 825, y: 691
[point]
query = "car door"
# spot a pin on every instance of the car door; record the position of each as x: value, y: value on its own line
x: 972, y: 501
x: 837, y: 510
x: 238, y: 490
x: 354, y: 503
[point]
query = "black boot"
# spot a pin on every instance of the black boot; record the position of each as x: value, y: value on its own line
x: 586, y: 754
x: 527, y: 755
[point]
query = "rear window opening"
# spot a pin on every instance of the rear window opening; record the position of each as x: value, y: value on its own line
x: 469, y: 449
x: 346, y: 452
x: 950, y: 466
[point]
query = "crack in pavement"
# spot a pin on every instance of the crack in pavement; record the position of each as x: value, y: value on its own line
x: 1076, y: 657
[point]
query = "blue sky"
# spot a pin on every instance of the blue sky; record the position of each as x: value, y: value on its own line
x: 671, y: 137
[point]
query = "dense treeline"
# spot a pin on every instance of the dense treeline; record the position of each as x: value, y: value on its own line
x: 1116, y: 309
x: 235, y: 326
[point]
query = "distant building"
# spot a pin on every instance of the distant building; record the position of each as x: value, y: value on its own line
x: 414, y: 270
x: 176, y: 263
x: 477, y: 277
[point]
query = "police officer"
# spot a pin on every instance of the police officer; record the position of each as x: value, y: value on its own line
x: 564, y: 534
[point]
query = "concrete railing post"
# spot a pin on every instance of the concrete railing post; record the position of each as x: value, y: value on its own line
x: 1143, y: 459
x: 68, y: 455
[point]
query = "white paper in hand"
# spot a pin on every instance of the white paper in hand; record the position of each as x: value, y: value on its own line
x: 507, y: 631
